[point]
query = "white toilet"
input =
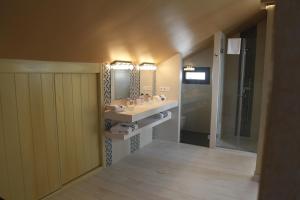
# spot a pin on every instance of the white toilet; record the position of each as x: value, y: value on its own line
x: 182, y: 122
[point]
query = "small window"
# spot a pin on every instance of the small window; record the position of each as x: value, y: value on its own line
x: 195, y: 75
x: 200, y: 75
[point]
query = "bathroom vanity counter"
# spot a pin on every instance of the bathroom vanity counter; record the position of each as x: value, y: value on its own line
x: 143, y: 124
x: 140, y: 112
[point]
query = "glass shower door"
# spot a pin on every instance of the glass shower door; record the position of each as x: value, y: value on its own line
x: 238, y: 94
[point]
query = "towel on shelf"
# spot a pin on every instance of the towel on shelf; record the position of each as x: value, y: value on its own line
x: 160, y: 115
x: 116, y: 108
x: 164, y: 114
x: 157, y: 116
x: 124, y: 128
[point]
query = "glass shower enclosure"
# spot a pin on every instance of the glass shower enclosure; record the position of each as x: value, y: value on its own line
x: 239, y: 128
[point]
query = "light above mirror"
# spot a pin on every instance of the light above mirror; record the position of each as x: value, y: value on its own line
x: 189, y: 68
x: 270, y: 6
x: 147, y: 66
x: 121, y: 65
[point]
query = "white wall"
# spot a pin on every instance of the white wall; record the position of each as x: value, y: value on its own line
x: 121, y: 148
x: 196, y: 98
x: 168, y: 74
x: 146, y: 137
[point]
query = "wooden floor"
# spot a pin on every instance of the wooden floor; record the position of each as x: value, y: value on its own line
x: 164, y: 170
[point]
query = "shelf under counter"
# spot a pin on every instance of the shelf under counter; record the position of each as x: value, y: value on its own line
x: 143, y: 124
x: 141, y: 111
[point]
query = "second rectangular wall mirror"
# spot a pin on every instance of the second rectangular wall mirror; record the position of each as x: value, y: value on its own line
x: 147, y: 82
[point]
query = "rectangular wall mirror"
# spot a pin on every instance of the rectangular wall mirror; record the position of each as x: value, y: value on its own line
x: 120, y: 84
x: 147, y: 82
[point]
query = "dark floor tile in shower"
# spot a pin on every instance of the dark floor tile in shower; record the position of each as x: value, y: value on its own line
x: 194, y: 138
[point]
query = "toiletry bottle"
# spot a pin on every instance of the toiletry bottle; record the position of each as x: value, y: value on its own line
x: 142, y: 98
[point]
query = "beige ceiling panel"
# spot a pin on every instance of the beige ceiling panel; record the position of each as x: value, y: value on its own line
x: 106, y: 30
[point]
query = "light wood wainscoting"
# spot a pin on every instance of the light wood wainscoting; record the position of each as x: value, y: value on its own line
x: 49, y: 126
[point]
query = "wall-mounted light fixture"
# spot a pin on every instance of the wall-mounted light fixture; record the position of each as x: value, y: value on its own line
x: 147, y: 66
x: 268, y: 3
x: 189, y: 68
x: 121, y: 65
x: 270, y: 6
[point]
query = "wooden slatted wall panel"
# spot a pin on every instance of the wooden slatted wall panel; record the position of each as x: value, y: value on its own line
x: 26, y: 136
x: 51, y: 135
x: 93, y: 129
x: 33, y: 100
x: 78, y: 127
x: 4, y: 186
x: 49, y: 128
x: 78, y: 123
x: 4, y: 180
x: 44, y: 130
x: 11, y: 137
x: 91, y: 126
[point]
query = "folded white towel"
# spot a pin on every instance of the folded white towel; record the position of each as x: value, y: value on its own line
x: 160, y: 115
x: 124, y: 128
x: 116, y: 108
x: 121, y: 132
x: 164, y: 114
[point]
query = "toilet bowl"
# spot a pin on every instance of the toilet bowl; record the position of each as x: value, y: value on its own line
x: 182, y: 122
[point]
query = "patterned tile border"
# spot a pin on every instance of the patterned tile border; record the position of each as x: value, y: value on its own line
x: 134, y: 143
x: 134, y: 93
x: 107, y: 123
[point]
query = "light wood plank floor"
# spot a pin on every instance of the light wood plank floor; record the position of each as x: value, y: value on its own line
x: 170, y: 171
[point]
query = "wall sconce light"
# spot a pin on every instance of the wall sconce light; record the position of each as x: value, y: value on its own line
x: 147, y: 66
x: 269, y: 6
x: 121, y: 65
x: 189, y: 68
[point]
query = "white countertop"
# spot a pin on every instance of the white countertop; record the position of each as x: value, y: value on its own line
x: 141, y: 111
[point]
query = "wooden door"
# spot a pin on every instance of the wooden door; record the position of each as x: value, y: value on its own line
x: 49, y: 126
x: 28, y: 136
x: 78, y: 123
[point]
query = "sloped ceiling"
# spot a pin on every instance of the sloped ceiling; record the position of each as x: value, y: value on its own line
x: 107, y: 30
